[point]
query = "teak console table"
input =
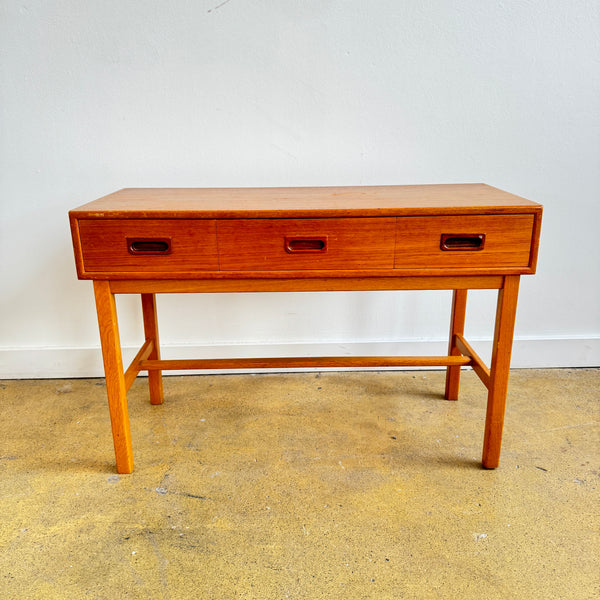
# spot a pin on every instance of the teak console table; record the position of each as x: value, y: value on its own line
x: 454, y: 237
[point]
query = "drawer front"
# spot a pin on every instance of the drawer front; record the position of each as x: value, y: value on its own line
x: 478, y: 241
x: 306, y: 244
x: 128, y: 245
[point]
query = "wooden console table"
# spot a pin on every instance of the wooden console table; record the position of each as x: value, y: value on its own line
x: 455, y: 237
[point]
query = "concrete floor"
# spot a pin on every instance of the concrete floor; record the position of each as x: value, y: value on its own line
x: 304, y: 486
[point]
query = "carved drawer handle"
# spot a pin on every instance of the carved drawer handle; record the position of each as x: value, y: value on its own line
x: 298, y: 245
x: 149, y: 245
x: 462, y: 241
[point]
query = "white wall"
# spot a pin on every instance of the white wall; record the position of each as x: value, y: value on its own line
x: 105, y: 94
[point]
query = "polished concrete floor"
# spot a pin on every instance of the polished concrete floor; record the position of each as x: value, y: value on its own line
x: 306, y: 486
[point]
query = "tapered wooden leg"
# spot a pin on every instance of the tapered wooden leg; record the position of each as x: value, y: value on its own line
x: 151, y: 333
x: 499, y: 370
x: 457, y: 327
x: 113, y: 372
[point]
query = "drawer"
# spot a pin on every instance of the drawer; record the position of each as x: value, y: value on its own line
x: 146, y: 245
x: 478, y: 241
x: 306, y: 244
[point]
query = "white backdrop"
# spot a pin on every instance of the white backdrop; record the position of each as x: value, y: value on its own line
x: 105, y: 94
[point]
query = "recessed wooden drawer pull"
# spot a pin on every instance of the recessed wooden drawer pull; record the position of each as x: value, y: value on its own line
x: 295, y: 245
x: 149, y: 245
x: 462, y: 241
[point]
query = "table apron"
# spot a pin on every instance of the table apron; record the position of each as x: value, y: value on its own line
x: 308, y: 284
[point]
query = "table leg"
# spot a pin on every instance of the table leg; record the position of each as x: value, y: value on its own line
x: 113, y: 371
x: 457, y: 327
x: 503, y: 337
x: 151, y: 332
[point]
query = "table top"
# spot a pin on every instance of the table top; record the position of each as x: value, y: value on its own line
x: 296, y: 202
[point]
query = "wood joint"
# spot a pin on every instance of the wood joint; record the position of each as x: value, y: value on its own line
x: 136, y: 364
x: 477, y: 364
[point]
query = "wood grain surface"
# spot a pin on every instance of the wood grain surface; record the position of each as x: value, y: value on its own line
x: 298, y: 202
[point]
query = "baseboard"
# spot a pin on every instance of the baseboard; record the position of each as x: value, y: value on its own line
x: 42, y: 363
